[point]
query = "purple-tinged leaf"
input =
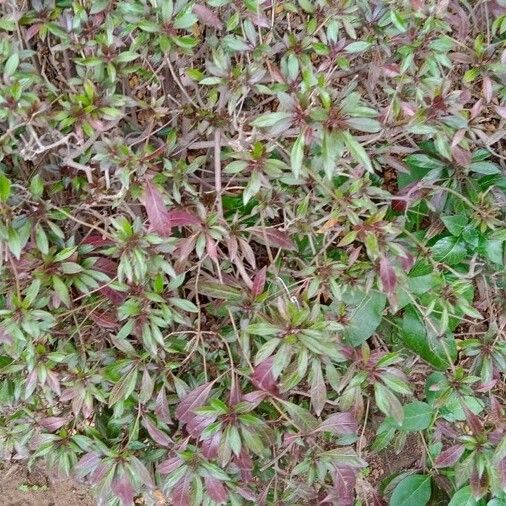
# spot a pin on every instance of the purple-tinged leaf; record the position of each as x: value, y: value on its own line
x: 216, y: 490
x: 198, y: 423
x: 169, y: 465
x: 479, y: 484
x: 210, y: 446
x: 263, y: 378
x: 345, y: 479
x: 139, y: 469
x: 259, y: 282
x: 158, y: 215
x: 450, y: 456
x: 207, y: 16
x: 193, y: 400
x: 53, y: 423
x: 100, y: 472
x: 181, y: 492
x: 147, y: 386
x: 248, y: 494
x: 162, y: 407
x: 124, y: 490
x: 501, y: 110
x: 156, y: 434
x: 473, y: 421
x: 178, y: 218
x: 273, y: 237
x: 501, y: 467
x: 254, y: 398
x: 387, y: 275
x: 340, y: 424
x: 318, y: 390
x: 245, y: 465
x: 53, y: 382
x: 5, y: 337
x: 87, y: 464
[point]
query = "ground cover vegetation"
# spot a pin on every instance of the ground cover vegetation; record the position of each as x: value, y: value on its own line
x: 248, y: 248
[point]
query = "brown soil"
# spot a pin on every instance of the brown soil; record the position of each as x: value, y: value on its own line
x: 21, y: 487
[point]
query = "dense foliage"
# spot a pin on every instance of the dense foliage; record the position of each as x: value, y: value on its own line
x: 249, y: 247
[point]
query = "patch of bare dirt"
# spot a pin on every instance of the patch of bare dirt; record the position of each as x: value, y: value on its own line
x: 21, y: 487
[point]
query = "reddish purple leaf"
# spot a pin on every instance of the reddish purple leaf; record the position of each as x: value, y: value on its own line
x: 158, y: 215
x: 387, y: 275
x: 263, y: 378
x: 198, y: 423
x: 245, y: 465
x: 156, y: 434
x: 5, y: 337
x: 345, y: 479
x: 254, y: 398
x: 97, y: 240
x: 259, y: 282
x: 479, y: 484
x: 181, y: 492
x: 104, y: 319
x: 53, y: 382
x: 162, y: 407
x: 53, y: 423
x: 473, y: 421
x: 273, y: 237
x: 207, y: 16
x: 501, y: 466
x: 217, y: 492
x: 178, y: 218
x: 192, y: 401
x: 87, y: 463
x: 450, y: 456
x: 339, y: 423
x: 169, y: 465
x: 124, y: 490
x: 210, y: 446
x: 32, y: 31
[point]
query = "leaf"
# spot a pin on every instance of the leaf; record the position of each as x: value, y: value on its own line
x: 387, y: 275
x: 463, y: 497
x: 207, y: 16
x: 450, y: 250
x: 340, y: 424
x: 417, y: 416
x: 318, y: 390
x: 302, y: 418
x: 53, y: 423
x: 11, y: 65
x: 450, y: 456
x: 259, y: 282
x: 156, y: 434
x: 356, y: 150
x: 297, y: 156
x: 388, y: 403
x: 345, y: 479
x: 416, y: 337
x: 364, y: 316
x: 270, y: 119
x: 124, y: 387
x: 179, y: 218
x: 414, y: 490
x: 220, y: 291
x: 124, y: 490
x: 263, y: 378
x: 357, y: 47
x: 193, y: 400
x: 485, y: 168
x: 274, y: 237
x: 5, y: 188
x: 158, y: 214
x: 214, y: 487
x: 455, y: 224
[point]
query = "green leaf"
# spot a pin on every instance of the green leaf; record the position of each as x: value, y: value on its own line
x: 364, y: 316
x: 414, y: 490
x: 11, y: 65
x: 297, y: 156
x: 5, y: 188
x: 415, y: 336
x: 464, y: 497
x: 388, y: 403
x: 486, y: 168
x: 301, y: 417
x: 218, y: 291
x: 417, y: 416
x: 357, y: 47
x: 270, y: 119
x: 455, y: 224
x: 124, y: 387
x: 450, y: 250
x: 61, y: 290
x: 356, y: 150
